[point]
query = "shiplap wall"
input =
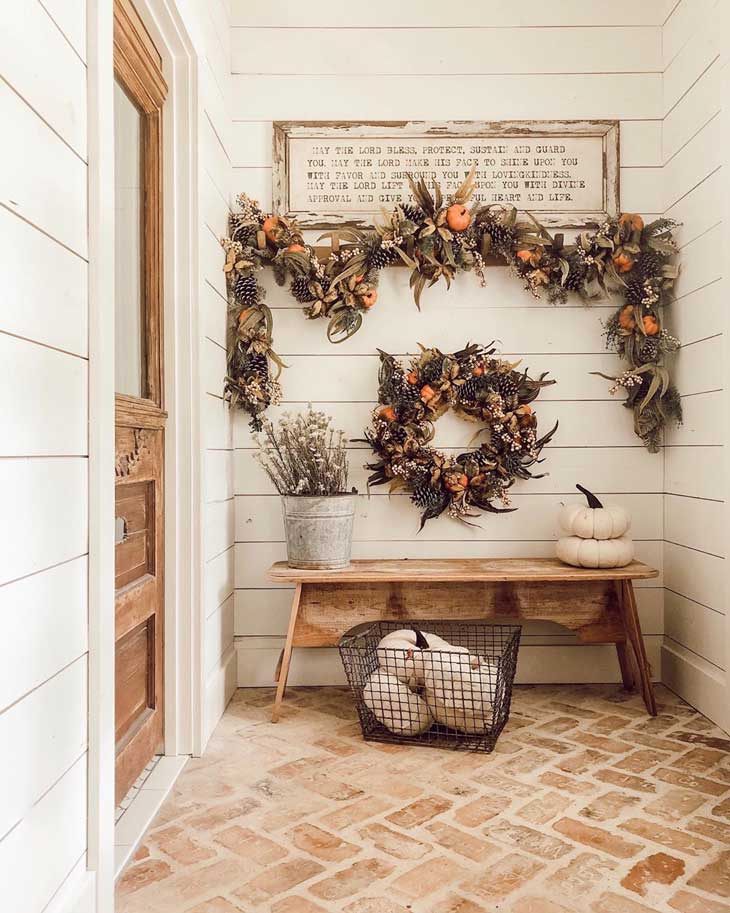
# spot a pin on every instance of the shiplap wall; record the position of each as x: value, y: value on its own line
x: 382, y: 61
x: 694, y: 659
x: 43, y: 454
x: 209, y: 25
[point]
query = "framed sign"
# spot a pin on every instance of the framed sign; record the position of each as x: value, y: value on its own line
x: 343, y: 173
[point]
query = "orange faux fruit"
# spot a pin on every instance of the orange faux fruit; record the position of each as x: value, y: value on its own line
x: 369, y: 298
x: 650, y: 324
x: 524, y: 255
x: 478, y: 371
x: 623, y: 262
x: 456, y: 481
x: 270, y: 224
x: 427, y: 393
x: 458, y: 217
x: 412, y: 377
x: 633, y: 219
x: 626, y: 319
x: 387, y: 413
x: 296, y: 249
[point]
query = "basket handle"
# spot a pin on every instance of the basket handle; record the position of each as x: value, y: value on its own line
x: 421, y: 641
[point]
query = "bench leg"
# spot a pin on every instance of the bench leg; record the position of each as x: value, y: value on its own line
x: 633, y: 635
x: 282, y: 671
x: 627, y: 676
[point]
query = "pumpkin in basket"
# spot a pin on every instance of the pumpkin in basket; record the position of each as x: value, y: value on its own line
x: 399, y: 709
x: 460, y: 690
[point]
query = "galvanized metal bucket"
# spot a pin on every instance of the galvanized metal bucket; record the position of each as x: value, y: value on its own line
x: 318, y: 530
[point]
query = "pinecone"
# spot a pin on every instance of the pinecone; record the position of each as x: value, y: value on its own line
x: 425, y: 495
x: 300, y: 290
x: 649, y: 351
x: 413, y: 213
x: 256, y: 364
x: 577, y: 274
x: 503, y: 238
x: 244, y: 234
x: 432, y: 371
x: 408, y: 393
x: 649, y: 265
x: 506, y: 386
x: 381, y: 257
x: 472, y: 389
x: 634, y: 293
x: 246, y: 290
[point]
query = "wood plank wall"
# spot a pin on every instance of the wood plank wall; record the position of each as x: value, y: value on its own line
x: 43, y: 454
x: 383, y: 60
x: 694, y: 152
x: 210, y: 27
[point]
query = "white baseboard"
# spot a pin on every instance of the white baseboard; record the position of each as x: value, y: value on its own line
x: 547, y: 663
x: 218, y: 691
x: 696, y: 681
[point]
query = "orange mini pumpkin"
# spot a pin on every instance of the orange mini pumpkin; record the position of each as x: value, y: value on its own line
x: 525, y: 255
x: 478, y: 371
x: 650, y: 324
x: 295, y: 249
x: 458, y: 217
x: 456, y: 481
x: 369, y: 298
x: 387, y: 413
x: 633, y: 219
x: 270, y: 225
x: 626, y: 319
x: 623, y: 262
x: 427, y: 393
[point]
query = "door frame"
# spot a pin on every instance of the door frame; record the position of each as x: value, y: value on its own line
x: 183, y: 615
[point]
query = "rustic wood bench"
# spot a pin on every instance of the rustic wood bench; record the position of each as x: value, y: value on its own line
x: 598, y: 605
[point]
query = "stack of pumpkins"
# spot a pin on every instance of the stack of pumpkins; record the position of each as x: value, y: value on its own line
x: 597, y: 535
x: 422, y: 679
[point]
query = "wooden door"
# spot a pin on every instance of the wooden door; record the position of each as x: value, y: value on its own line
x: 139, y: 94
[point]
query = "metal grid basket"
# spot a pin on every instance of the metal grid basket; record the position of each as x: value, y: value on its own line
x: 442, y: 683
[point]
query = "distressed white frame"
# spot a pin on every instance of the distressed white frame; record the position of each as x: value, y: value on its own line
x: 183, y: 569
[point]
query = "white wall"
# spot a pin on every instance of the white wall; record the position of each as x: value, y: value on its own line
x: 694, y: 152
x: 380, y: 61
x: 208, y: 23
x: 43, y: 454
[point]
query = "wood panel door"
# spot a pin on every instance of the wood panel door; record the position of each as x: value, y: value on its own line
x: 139, y: 95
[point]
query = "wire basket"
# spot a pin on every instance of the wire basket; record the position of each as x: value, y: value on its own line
x: 439, y: 683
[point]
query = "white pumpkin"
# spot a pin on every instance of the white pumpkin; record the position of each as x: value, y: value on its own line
x: 400, y: 653
x: 460, y: 691
x: 594, y: 521
x: 595, y: 552
x: 398, y: 708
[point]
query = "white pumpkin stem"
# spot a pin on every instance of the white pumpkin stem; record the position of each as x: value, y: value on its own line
x: 590, y: 497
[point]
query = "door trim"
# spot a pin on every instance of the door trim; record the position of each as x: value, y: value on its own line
x: 183, y: 572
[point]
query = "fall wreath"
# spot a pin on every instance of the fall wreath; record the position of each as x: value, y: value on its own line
x: 479, y: 387
x: 437, y: 238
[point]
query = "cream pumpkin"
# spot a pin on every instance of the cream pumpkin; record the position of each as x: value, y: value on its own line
x: 395, y: 705
x: 594, y: 521
x: 581, y: 552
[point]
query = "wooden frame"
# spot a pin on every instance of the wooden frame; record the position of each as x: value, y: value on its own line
x: 597, y: 605
x: 138, y: 68
x: 286, y: 132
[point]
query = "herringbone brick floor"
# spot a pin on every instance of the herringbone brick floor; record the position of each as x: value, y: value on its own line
x: 586, y: 806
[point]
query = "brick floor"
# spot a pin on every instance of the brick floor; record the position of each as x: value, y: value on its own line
x: 586, y: 806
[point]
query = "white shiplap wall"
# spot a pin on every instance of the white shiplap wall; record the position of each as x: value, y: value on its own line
x: 43, y: 455
x: 382, y: 61
x: 208, y: 22
x: 694, y: 153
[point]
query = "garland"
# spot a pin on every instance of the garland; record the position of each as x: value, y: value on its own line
x: 438, y: 238
x: 478, y: 387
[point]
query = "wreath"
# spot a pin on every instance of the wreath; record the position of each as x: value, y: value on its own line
x: 479, y: 387
x: 437, y: 238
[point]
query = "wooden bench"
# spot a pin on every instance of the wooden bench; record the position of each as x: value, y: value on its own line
x: 598, y: 605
